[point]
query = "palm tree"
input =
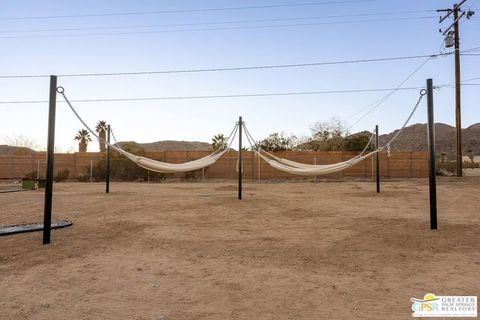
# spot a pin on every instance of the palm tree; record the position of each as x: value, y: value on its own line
x: 84, y: 137
x: 101, y: 129
x: 219, y: 142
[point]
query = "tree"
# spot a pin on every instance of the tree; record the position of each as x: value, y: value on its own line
x: 219, y: 142
x: 24, y: 145
x: 101, y: 129
x: 327, y: 135
x: 358, y: 141
x: 84, y: 137
x: 278, y: 142
x: 324, y: 130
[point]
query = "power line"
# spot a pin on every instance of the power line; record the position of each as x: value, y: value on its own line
x: 221, y: 22
x: 470, y: 79
x: 305, y: 4
x: 219, y: 96
x: 372, y: 107
x: 471, y: 50
x: 213, y: 29
x: 249, y: 95
x: 278, y: 66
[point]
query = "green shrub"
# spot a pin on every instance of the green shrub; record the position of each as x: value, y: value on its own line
x: 121, y: 169
x: 61, y: 175
x: 194, y: 175
x: 32, y: 175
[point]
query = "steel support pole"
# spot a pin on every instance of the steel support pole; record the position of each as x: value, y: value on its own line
x: 107, y: 179
x: 47, y: 212
x: 240, y: 166
x: 431, y: 157
x: 377, y: 160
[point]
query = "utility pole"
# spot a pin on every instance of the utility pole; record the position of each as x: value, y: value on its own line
x: 452, y: 38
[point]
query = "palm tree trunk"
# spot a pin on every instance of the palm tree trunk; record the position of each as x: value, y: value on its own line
x: 82, y: 146
x: 102, y: 146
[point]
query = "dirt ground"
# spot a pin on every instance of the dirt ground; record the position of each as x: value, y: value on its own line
x: 325, y: 250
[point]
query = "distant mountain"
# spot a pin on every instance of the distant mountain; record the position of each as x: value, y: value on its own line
x: 7, y: 150
x: 414, y: 138
x: 171, y: 145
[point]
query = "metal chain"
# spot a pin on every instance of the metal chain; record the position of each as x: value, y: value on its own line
x: 114, y: 138
x: 61, y: 90
x: 423, y: 92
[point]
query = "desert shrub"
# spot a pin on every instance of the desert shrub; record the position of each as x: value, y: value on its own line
x: 471, y: 165
x: 446, y: 168
x: 194, y: 175
x: 61, y: 175
x: 32, y: 175
x: 121, y: 169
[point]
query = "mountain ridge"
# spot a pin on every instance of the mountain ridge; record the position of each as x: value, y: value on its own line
x: 414, y: 138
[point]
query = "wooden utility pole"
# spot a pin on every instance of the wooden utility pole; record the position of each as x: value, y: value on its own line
x: 458, y: 102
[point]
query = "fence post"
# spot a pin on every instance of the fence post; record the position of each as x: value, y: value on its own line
x: 38, y: 169
x: 258, y: 167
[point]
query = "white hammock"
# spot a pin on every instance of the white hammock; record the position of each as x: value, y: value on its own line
x: 155, y: 165
x: 165, y: 167
x: 313, y: 166
x: 303, y: 169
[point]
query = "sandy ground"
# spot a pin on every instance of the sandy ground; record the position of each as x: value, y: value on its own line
x: 326, y: 250
x: 472, y: 172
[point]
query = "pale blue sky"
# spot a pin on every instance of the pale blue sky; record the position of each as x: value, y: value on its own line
x: 63, y: 52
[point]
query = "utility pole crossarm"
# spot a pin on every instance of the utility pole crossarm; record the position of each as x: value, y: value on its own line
x: 454, y: 23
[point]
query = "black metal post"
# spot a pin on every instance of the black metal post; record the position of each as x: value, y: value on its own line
x: 47, y: 212
x: 377, y: 160
x: 431, y: 156
x: 107, y: 179
x: 240, y: 167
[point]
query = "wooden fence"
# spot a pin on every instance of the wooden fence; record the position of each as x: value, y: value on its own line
x: 397, y: 165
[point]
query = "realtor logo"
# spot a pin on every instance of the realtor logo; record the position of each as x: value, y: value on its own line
x: 444, y: 306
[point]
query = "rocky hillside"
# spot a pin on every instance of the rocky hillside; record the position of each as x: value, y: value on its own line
x: 414, y: 138
x: 6, y: 150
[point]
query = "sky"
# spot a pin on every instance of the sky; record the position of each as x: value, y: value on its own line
x: 111, y: 37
